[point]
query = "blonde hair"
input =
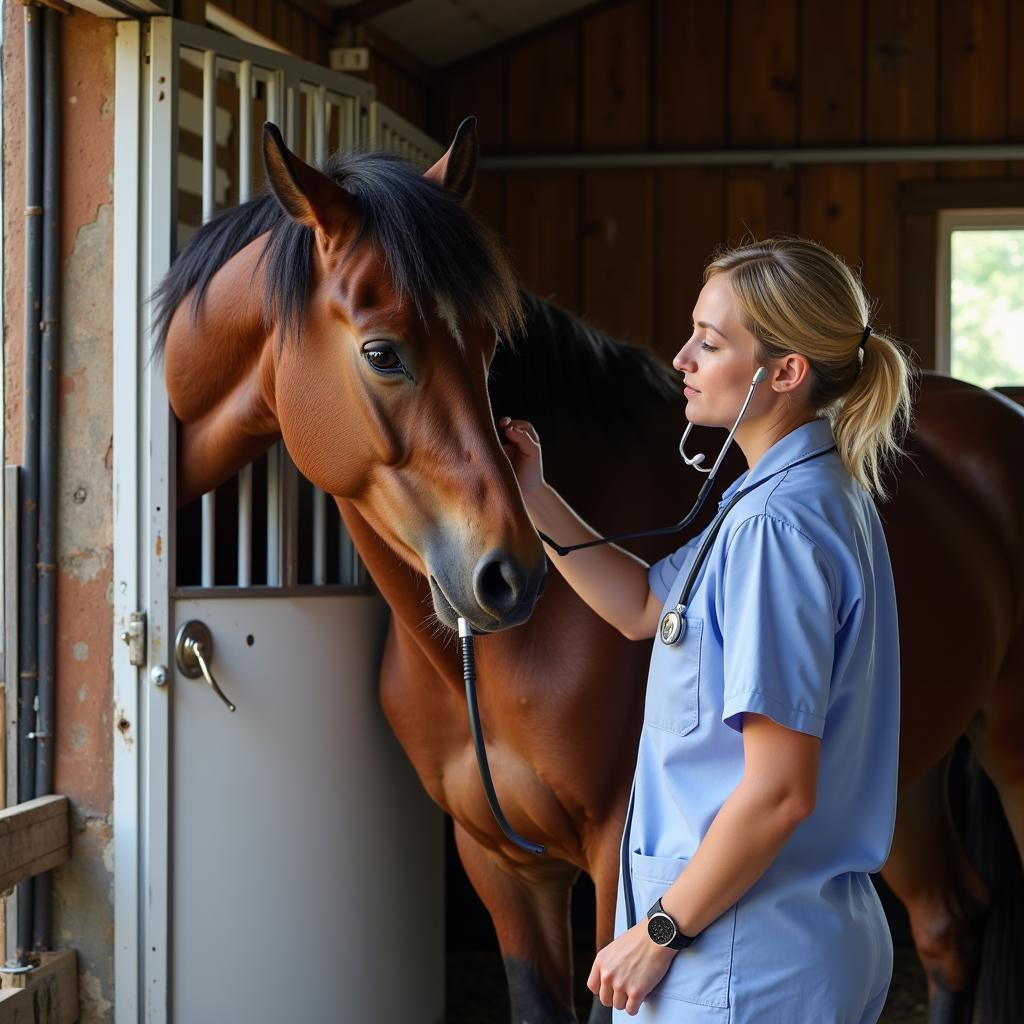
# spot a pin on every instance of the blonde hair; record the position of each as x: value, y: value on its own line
x: 796, y: 296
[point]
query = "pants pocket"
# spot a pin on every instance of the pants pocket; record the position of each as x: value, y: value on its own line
x: 701, y: 972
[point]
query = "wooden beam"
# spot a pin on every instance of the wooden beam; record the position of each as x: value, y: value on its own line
x: 46, y: 995
x: 972, y: 193
x: 368, y: 9
x: 33, y: 839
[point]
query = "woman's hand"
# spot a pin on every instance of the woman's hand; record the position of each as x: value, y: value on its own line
x: 522, y: 446
x: 626, y: 970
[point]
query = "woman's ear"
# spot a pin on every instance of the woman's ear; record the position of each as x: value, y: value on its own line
x: 792, y: 371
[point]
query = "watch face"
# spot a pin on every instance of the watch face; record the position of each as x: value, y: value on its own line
x: 661, y: 929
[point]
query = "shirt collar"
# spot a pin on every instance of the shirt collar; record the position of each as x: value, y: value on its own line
x: 807, y: 439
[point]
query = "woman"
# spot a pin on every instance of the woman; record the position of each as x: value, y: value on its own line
x: 765, y: 785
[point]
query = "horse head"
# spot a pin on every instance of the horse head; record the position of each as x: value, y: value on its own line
x: 377, y: 303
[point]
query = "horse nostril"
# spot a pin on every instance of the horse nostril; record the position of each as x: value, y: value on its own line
x: 497, y: 584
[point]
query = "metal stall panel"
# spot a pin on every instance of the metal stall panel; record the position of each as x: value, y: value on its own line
x: 269, y: 837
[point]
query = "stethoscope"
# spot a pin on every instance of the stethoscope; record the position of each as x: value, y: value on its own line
x: 673, y: 624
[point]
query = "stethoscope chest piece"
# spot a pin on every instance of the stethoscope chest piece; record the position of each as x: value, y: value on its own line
x: 673, y: 626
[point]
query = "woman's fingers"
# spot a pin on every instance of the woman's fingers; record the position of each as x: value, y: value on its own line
x: 522, y: 428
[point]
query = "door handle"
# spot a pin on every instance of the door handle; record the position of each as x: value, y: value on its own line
x: 193, y: 651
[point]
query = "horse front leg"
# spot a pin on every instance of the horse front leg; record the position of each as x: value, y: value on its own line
x: 945, y: 897
x: 530, y: 911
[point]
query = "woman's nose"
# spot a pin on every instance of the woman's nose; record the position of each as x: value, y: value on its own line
x: 683, y: 360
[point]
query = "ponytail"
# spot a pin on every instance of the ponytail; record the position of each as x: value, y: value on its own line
x: 796, y: 296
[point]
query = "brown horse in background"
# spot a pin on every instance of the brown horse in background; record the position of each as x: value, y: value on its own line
x: 354, y: 312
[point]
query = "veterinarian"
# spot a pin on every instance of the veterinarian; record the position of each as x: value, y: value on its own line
x: 765, y: 785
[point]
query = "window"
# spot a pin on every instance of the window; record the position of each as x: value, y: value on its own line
x: 980, y: 296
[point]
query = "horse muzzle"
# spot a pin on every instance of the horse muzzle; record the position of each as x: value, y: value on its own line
x: 497, y: 593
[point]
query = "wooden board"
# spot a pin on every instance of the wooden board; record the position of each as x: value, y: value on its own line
x: 487, y: 202
x: 478, y: 89
x: 616, y: 94
x: 33, y: 838
x: 881, y: 243
x: 900, y: 72
x: 543, y: 233
x: 543, y: 92
x: 762, y: 73
x: 831, y: 40
x: 689, y: 74
x: 972, y: 80
x: 759, y: 203
x: 830, y: 208
x: 47, y: 995
x: 917, y: 280
x: 618, y: 253
x: 689, y: 227
x: 1015, y: 114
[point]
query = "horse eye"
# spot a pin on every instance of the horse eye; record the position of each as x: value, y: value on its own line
x: 383, y: 359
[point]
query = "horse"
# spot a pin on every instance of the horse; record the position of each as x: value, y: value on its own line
x: 363, y: 315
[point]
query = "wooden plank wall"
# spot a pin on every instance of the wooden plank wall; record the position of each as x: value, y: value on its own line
x: 626, y: 248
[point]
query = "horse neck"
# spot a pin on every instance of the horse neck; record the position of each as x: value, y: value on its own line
x: 206, y: 360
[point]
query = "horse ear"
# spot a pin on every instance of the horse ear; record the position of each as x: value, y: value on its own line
x: 305, y: 193
x: 456, y: 170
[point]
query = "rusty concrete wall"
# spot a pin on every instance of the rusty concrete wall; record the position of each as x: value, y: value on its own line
x: 83, y: 889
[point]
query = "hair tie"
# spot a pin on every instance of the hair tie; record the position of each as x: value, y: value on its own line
x: 864, y: 337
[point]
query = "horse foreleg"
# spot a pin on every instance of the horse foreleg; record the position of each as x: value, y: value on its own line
x: 605, y: 872
x: 945, y: 897
x: 530, y: 911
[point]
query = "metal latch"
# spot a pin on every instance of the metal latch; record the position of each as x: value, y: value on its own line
x: 135, y: 637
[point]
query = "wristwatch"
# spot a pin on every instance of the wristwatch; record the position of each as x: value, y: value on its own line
x: 663, y: 931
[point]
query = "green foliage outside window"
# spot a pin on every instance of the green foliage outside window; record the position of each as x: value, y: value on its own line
x: 987, y: 306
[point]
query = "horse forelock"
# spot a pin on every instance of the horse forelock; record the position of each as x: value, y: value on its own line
x: 437, y: 256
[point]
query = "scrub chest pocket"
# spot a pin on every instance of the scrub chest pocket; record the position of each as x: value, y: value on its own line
x: 701, y: 972
x: 672, y: 702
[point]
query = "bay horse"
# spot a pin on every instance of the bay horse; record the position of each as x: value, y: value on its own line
x: 362, y: 314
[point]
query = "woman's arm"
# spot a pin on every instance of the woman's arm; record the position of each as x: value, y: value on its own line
x: 776, y: 793
x: 611, y: 580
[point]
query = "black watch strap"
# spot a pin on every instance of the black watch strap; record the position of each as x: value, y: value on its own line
x: 663, y: 930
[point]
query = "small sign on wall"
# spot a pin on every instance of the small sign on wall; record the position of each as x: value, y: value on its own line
x: 350, y: 58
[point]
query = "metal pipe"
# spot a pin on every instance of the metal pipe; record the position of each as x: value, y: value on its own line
x: 244, y: 195
x: 48, y: 441
x: 209, y: 500
x: 28, y: 513
x: 777, y: 159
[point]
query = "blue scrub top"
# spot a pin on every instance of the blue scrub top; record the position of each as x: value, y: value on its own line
x: 792, y: 616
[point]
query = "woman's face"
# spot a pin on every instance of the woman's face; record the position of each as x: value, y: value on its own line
x: 719, y: 359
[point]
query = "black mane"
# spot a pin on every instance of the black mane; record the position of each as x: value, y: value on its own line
x: 433, y: 249
x: 562, y: 371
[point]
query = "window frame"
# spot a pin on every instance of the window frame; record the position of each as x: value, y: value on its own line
x: 950, y: 220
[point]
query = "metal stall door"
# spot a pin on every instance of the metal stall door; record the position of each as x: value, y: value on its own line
x: 290, y: 866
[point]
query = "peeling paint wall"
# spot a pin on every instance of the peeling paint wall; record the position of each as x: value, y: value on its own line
x: 83, y: 909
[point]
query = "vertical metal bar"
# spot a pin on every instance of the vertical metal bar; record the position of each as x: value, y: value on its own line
x: 29, y: 524
x: 209, y: 209
x: 244, y: 131
x: 209, y: 134
x: 245, y: 526
x: 128, y: 514
x: 274, y: 516
x: 309, y: 118
x: 319, y: 536
x: 12, y: 503
x: 289, y: 483
x: 320, y: 124
x: 244, y: 193
x: 157, y: 518
x: 49, y: 369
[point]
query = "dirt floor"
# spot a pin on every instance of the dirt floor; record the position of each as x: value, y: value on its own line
x: 476, y: 990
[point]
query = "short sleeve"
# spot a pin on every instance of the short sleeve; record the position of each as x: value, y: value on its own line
x: 778, y: 626
x: 662, y: 575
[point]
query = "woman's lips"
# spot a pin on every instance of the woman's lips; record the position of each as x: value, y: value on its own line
x: 688, y: 391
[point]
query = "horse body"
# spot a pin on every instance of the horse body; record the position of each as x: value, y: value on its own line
x: 414, y: 461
